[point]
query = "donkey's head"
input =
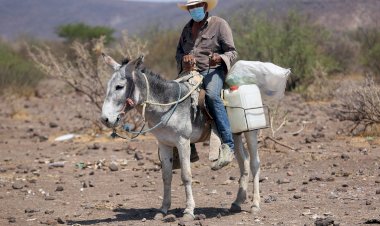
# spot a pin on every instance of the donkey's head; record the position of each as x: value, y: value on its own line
x: 122, y: 94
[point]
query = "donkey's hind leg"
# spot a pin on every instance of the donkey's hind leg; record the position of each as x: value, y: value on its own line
x: 251, y: 138
x: 166, y: 157
x: 183, y: 146
x: 243, y: 161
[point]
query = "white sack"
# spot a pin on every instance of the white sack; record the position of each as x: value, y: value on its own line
x: 270, y: 78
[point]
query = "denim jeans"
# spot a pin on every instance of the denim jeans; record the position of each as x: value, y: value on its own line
x: 213, y: 84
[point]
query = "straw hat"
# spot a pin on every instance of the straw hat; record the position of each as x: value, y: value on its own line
x: 210, y: 3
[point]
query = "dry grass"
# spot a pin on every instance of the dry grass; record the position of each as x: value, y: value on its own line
x: 361, y: 105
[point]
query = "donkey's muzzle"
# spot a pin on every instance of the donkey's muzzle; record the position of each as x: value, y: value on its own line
x: 105, y: 121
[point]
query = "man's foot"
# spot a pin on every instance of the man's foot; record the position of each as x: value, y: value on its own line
x: 226, y: 155
x: 193, y: 156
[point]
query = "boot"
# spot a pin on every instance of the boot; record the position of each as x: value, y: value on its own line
x: 193, y: 156
x: 226, y: 155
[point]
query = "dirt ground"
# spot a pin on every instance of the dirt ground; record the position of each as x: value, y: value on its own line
x: 330, y: 177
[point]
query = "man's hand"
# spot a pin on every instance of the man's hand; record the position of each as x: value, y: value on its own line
x: 215, y: 59
x: 188, y: 61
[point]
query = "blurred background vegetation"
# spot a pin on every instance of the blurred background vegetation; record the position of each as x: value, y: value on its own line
x: 291, y: 42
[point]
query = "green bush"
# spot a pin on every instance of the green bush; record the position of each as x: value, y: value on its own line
x: 291, y: 43
x: 84, y: 33
x: 16, y: 73
x: 369, y: 40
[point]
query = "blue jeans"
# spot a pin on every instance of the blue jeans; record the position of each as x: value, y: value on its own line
x: 213, y: 84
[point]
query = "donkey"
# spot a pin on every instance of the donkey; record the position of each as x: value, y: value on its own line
x: 131, y: 86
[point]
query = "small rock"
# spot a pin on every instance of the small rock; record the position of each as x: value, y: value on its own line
x: 49, y: 198
x: 144, y: 219
x: 60, y: 221
x: 2, y: 170
x: 90, y: 184
x: 29, y: 210
x: 219, y: 215
x: 345, y: 156
x: 113, y: 166
x: 232, y: 178
x: 53, y: 125
x: 91, y: 173
x: 169, y: 218
x: 315, y: 178
x: 270, y: 199
x: 283, y: 181
x: 290, y: 173
x: 95, y: 146
x: 43, y: 138
x: 49, y: 212
x: 17, y: 185
x: 11, y: 219
x: 139, y: 156
x: 59, y: 188
x: 372, y: 221
x: 296, y: 196
x: 341, y: 189
x: 291, y: 189
x: 378, y: 192
x: 227, y: 182
x: 368, y: 202
x: 324, y: 222
x: 132, y: 147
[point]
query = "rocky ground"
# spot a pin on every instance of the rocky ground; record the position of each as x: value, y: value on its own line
x: 330, y: 178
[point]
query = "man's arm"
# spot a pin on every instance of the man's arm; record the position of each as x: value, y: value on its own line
x: 227, y: 43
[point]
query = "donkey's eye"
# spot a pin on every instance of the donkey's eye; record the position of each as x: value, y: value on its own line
x: 119, y: 87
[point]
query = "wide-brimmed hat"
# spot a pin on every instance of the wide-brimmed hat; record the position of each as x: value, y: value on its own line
x: 210, y: 4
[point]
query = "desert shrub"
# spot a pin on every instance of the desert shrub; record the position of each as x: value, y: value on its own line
x: 369, y: 40
x: 360, y: 105
x: 292, y: 42
x: 344, y: 50
x: 322, y: 88
x: 17, y: 73
x: 162, y: 49
x: 84, y: 33
x: 85, y: 71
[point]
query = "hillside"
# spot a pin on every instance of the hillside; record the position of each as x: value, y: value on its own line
x: 39, y: 18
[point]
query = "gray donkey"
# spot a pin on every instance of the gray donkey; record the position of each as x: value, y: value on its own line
x: 131, y: 86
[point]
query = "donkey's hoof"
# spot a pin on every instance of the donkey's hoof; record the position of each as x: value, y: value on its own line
x: 255, y: 209
x: 188, y: 217
x: 159, y: 216
x: 235, y: 208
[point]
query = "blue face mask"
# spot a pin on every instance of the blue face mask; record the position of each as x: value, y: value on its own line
x: 198, y: 14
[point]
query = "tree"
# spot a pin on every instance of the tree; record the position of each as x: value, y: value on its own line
x: 84, y: 33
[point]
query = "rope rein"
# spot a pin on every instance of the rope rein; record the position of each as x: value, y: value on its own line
x: 164, y: 118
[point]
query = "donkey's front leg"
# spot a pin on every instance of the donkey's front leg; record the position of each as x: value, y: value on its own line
x: 166, y: 157
x: 251, y: 138
x: 184, y: 156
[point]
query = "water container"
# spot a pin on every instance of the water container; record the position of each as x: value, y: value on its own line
x: 244, y: 108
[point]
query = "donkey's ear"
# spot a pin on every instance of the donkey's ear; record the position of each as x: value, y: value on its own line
x: 139, y: 62
x: 111, y: 62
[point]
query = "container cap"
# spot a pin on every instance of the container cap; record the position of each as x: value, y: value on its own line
x: 234, y: 88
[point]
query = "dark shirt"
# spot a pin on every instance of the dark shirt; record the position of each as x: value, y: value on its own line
x: 215, y: 36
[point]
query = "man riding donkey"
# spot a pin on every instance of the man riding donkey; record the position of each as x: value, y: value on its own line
x: 206, y: 45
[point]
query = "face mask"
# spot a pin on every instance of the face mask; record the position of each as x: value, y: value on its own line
x: 198, y: 14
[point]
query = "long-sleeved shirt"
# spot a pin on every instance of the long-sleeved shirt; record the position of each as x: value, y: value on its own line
x: 215, y: 36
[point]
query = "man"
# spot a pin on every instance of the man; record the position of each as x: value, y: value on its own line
x: 207, y: 42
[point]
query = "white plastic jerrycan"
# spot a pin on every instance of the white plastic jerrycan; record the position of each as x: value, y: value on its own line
x: 244, y: 108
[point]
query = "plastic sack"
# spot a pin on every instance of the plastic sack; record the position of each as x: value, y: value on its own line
x: 270, y: 78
